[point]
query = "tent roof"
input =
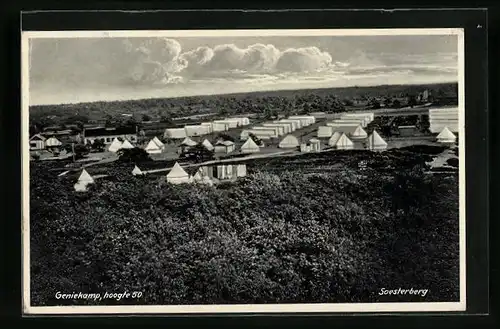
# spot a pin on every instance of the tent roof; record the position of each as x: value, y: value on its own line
x: 177, y: 171
x: 334, y: 139
x: 375, y: 139
x: 126, y: 145
x: 290, y: 139
x: 344, y: 140
x: 85, y: 177
x: 207, y: 144
x: 152, y: 145
x: 52, y: 141
x: 359, y: 131
x: 115, y: 145
x: 446, y: 134
x: 136, y: 171
x: 249, y: 144
x: 188, y: 142
x: 158, y: 141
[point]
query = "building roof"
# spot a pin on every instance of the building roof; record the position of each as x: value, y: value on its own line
x: 100, y: 131
x: 38, y: 136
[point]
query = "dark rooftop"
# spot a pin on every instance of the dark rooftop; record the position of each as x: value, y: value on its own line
x: 100, y: 131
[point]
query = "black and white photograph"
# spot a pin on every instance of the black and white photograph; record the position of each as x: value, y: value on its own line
x: 243, y: 171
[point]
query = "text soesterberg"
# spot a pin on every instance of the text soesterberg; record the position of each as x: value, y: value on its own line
x: 399, y: 291
x: 98, y: 296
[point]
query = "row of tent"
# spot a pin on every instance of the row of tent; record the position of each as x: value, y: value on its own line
x: 178, y: 175
x: 278, y: 128
x: 206, y: 128
x: 443, y: 118
x: 116, y: 145
x: 351, y: 124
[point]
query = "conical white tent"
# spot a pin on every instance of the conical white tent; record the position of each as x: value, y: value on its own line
x: 136, y: 171
x: 127, y: 145
x: 115, y: 145
x: 188, y: 142
x: 158, y: 142
x: 207, y: 145
x: 84, y: 180
x: 290, y: 141
x: 333, y: 140
x: 250, y: 147
x: 52, y: 141
x: 153, y: 148
x: 177, y: 175
x: 344, y: 143
x: 359, y: 133
x: 375, y: 142
x: 446, y: 136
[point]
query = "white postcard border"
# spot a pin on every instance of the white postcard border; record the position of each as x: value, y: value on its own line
x: 246, y: 308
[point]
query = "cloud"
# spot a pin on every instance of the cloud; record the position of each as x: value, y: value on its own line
x: 303, y: 60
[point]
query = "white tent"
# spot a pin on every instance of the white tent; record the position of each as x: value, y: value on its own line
x: 177, y: 175
x: 115, y: 145
x: 52, y: 141
x: 188, y: 142
x: 375, y: 142
x: 335, y: 137
x: 207, y: 145
x: 325, y: 131
x: 127, y: 145
x: 315, y: 144
x: 137, y: 171
x: 290, y: 141
x: 359, y: 133
x: 250, y: 147
x: 446, y: 136
x: 83, y: 181
x: 158, y: 142
x: 153, y: 148
x: 175, y: 133
x: 344, y: 143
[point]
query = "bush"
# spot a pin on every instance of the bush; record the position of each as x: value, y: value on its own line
x: 303, y: 234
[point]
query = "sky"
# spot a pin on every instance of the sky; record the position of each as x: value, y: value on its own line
x: 73, y: 70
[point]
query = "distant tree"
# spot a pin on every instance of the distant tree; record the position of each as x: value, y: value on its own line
x: 374, y: 104
x: 225, y: 137
x: 166, y: 118
x: 35, y: 156
x: 146, y: 117
x: 79, y: 151
x: 222, y: 111
x: 256, y: 139
x: 388, y: 102
x: 412, y: 101
x: 348, y: 102
x: 98, y: 145
x: 396, y: 104
x: 197, y: 153
x: 135, y: 154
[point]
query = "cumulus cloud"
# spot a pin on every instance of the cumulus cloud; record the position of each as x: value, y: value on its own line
x: 303, y: 60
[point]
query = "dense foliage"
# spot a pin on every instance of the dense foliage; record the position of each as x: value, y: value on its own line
x: 309, y: 233
x: 268, y: 104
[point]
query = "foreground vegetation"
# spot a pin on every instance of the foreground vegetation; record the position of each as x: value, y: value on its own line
x: 294, y: 230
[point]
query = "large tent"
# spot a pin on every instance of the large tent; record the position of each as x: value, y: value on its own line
x: 177, y: 175
x: 159, y: 142
x: 153, y: 147
x: 188, y: 142
x: 446, y: 136
x: 137, y: 171
x: 344, y: 143
x: 83, y: 181
x: 290, y: 141
x: 127, y: 145
x: 207, y: 145
x: 375, y: 142
x: 359, y: 133
x: 250, y: 147
x: 115, y: 145
x: 175, y: 133
x: 335, y: 137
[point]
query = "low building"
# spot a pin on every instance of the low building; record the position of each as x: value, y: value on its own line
x: 224, y: 147
x: 37, y: 142
x: 175, y: 133
x: 407, y: 131
x: 107, y: 135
